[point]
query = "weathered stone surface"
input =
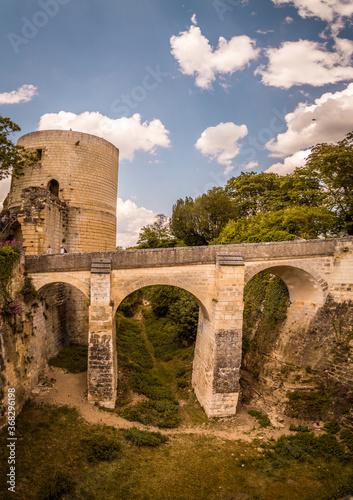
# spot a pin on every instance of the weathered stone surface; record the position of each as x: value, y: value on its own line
x: 227, y: 361
x: 82, y: 215
x: 311, y: 270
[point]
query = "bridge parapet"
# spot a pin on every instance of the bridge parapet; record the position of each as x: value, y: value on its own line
x: 158, y: 257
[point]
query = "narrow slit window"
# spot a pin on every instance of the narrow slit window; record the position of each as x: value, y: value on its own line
x: 39, y: 153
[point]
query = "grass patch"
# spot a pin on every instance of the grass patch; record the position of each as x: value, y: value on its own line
x: 144, y: 438
x: 56, y: 487
x: 54, y: 443
x: 263, y: 420
x: 154, y: 362
x: 102, y: 448
x: 72, y: 358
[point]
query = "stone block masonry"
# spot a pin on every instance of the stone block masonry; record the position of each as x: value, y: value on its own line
x: 102, y: 358
x: 79, y: 174
x: 312, y: 270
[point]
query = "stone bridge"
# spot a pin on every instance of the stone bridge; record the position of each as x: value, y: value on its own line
x: 216, y: 276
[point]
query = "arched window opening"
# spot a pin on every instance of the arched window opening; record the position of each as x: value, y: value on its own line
x: 53, y: 187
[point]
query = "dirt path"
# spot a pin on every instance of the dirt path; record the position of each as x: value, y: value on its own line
x: 71, y: 389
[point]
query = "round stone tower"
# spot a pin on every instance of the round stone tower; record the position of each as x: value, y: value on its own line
x: 75, y: 183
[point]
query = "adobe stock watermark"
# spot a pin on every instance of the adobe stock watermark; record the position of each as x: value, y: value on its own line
x: 128, y: 102
x: 31, y: 27
x: 11, y: 430
x: 253, y: 145
x: 223, y: 6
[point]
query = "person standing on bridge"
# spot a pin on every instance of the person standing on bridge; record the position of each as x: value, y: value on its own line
x: 62, y: 249
x: 49, y: 250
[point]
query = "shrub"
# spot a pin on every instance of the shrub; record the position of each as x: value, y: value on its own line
x: 263, y: 420
x: 144, y: 438
x: 28, y: 291
x: 10, y: 308
x: 299, y: 428
x: 102, y: 448
x: 332, y: 427
x: 56, y: 487
x: 163, y: 414
x: 9, y: 253
x: 347, y: 438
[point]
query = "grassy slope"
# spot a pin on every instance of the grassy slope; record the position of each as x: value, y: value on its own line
x: 155, y: 364
x: 186, y: 467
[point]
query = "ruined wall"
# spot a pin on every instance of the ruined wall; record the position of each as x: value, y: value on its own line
x: 43, y: 219
x: 47, y: 323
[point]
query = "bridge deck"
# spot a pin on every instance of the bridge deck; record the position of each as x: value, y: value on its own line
x: 167, y: 257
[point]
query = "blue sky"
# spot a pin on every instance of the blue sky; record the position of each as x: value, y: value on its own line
x: 192, y: 93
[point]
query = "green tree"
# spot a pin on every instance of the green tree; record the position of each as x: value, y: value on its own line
x: 13, y: 159
x: 253, y: 193
x: 333, y: 164
x: 197, y: 222
x: 161, y: 297
x: 157, y: 234
x: 184, y: 312
x: 281, y: 225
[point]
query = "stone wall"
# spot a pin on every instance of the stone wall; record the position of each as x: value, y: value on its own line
x: 46, y: 324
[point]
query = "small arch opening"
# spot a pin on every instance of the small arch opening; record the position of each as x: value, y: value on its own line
x: 53, y: 187
x: 61, y: 315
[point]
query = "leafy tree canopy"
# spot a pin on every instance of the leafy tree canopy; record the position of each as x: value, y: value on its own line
x: 333, y: 165
x: 13, y: 159
x: 196, y: 222
x: 282, y: 225
x: 157, y: 234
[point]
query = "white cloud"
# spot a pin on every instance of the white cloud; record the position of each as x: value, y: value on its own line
x: 290, y: 163
x: 131, y: 219
x: 4, y: 189
x: 128, y: 134
x: 193, y: 19
x: 250, y: 165
x: 22, y: 94
x: 329, y: 119
x: 331, y: 11
x: 307, y: 62
x: 289, y: 19
x: 198, y: 58
x: 220, y: 142
x: 264, y: 32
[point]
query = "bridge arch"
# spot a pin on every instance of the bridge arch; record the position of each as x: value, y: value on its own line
x: 44, y: 280
x: 302, y: 285
x: 120, y: 293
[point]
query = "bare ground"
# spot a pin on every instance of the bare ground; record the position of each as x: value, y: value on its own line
x: 71, y: 389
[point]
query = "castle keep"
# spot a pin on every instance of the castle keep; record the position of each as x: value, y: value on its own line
x: 69, y: 197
